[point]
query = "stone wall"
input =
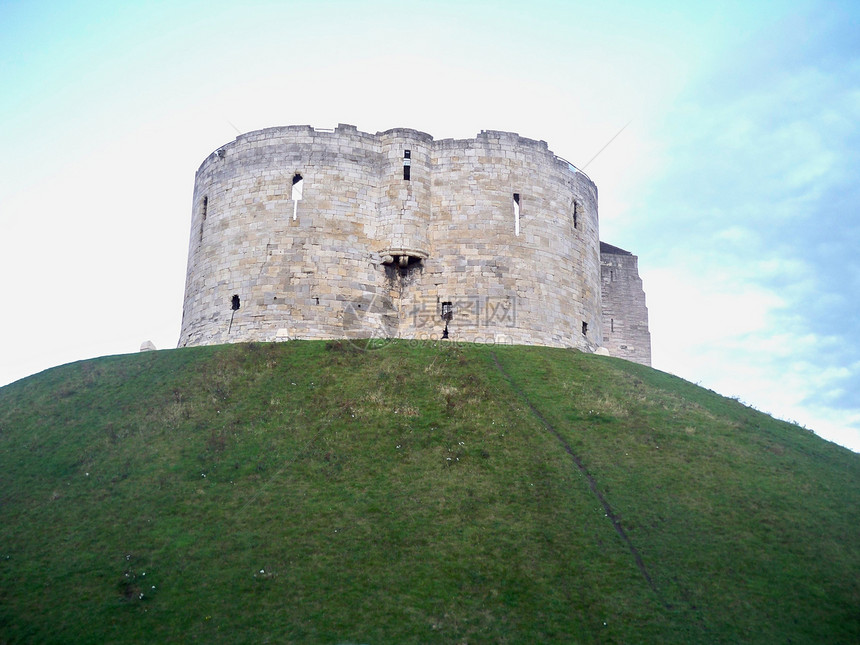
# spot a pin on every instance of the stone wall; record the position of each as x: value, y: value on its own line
x: 625, y: 316
x: 368, y: 252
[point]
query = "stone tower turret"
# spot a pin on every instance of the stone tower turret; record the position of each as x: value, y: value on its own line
x: 306, y: 233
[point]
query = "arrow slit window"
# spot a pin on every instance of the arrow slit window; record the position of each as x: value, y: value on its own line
x: 516, y: 213
x: 298, y: 182
x: 204, y: 209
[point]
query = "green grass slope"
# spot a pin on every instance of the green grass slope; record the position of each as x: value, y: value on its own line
x: 311, y: 492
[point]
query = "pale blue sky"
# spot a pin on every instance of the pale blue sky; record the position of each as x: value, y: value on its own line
x: 735, y: 182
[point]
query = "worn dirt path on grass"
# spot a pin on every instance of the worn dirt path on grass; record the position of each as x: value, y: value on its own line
x: 592, y: 482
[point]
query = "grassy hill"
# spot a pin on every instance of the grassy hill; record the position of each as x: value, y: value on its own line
x: 312, y: 492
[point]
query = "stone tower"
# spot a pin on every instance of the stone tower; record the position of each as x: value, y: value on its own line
x: 625, y: 316
x: 308, y: 233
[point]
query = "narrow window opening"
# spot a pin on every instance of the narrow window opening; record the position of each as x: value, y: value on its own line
x: 447, y: 315
x: 204, y: 210
x: 407, y: 164
x: 516, y: 213
x: 234, y: 305
x: 575, y: 215
x: 298, y: 182
x: 584, y: 328
x: 612, y: 324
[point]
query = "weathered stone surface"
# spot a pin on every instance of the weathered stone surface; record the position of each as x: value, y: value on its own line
x: 147, y: 346
x: 625, y: 316
x: 385, y: 229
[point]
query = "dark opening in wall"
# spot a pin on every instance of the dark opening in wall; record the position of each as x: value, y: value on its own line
x: 234, y: 305
x: 447, y: 315
x: 576, y: 214
x: 203, y: 212
x: 584, y: 328
x: 612, y: 324
x: 407, y: 164
x: 404, y: 267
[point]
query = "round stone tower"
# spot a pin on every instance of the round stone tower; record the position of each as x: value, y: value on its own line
x: 404, y: 206
x: 306, y: 233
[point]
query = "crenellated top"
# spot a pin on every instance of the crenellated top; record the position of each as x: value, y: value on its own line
x: 303, y: 232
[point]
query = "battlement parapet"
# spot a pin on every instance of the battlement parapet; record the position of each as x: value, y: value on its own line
x: 301, y: 232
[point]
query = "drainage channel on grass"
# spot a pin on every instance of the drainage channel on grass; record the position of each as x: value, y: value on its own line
x: 592, y: 483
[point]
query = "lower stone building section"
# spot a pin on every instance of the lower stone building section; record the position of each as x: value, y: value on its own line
x: 625, y: 315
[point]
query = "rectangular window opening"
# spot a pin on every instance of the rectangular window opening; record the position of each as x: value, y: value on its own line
x: 584, y: 328
x: 612, y: 324
x: 516, y: 213
x: 234, y: 305
x: 298, y: 187
x: 204, y: 210
x: 575, y: 215
x: 447, y: 311
x: 407, y: 164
